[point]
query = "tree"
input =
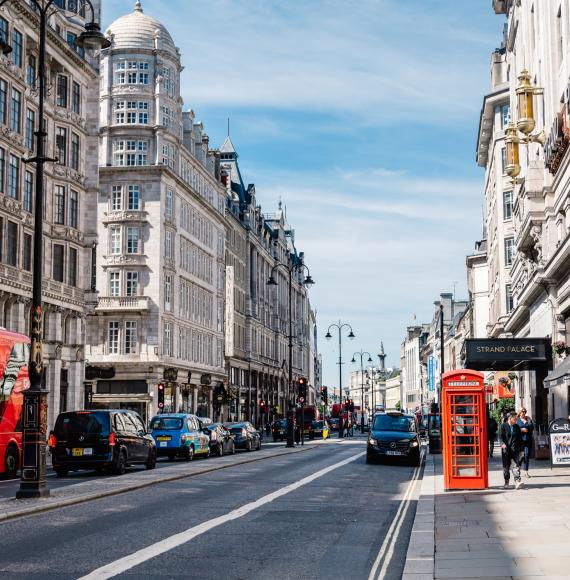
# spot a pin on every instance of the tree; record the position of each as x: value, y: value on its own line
x: 398, y: 406
x: 501, y: 407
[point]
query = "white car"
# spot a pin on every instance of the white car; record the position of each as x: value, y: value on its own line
x: 205, y: 420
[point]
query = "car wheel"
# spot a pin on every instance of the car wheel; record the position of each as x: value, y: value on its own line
x: 220, y: 450
x: 189, y: 453
x: 151, y: 461
x: 369, y: 459
x: 259, y: 445
x: 121, y: 464
x: 61, y: 471
x: 233, y: 448
x: 11, y: 461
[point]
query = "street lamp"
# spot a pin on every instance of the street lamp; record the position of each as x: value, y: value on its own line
x: 298, y: 268
x: 328, y: 336
x: 33, y: 481
x: 361, y: 353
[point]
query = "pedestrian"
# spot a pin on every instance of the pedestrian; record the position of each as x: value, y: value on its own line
x: 510, y: 438
x: 527, y: 428
x: 268, y: 428
x: 492, y: 428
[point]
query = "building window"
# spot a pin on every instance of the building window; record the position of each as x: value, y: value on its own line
x: 131, y: 112
x: 168, y: 244
x: 17, y: 46
x: 113, y: 337
x: 509, y: 251
x: 504, y: 160
x: 133, y: 238
x: 71, y: 41
x: 59, y: 204
x: 130, y: 153
x: 133, y: 198
x: 169, y: 204
x: 76, y: 98
x: 116, y: 198
x: 507, y: 205
x: 131, y: 73
x: 27, y: 254
x: 13, y: 176
x: 3, y: 101
x: 28, y: 191
x: 12, y: 243
x: 61, y: 96
x: 2, y: 169
x: 168, y: 292
x: 4, y: 30
x: 57, y: 267
x: 168, y: 154
x: 167, y: 339
x: 509, y: 298
x: 61, y: 145
x: 30, y: 125
x: 114, y: 284
x: 72, y: 267
x: 130, y: 337
x: 73, y: 208
x: 115, y: 238
x: 31, y: 71
x: 74, y: 161
x: 132, y: 284
x: 505, y: 115
x: 15, y: 112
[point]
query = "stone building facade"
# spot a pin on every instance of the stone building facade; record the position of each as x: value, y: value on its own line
x: 70, y: 188
x: 159, y: 311
x: 257, y: 330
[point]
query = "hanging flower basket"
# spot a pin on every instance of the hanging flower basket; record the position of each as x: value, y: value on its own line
x: 559, y: 347
x: 513, y: 376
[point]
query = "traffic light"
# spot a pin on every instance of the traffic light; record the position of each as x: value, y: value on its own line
x: 160, y: 397
x: 262, y: 406
x: 324, y: 395
x: 303, y: 388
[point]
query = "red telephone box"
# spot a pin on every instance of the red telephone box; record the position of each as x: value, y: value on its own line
x: 464, y: 425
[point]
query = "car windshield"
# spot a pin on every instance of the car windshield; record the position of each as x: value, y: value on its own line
x: 95, y: 423
x: 166, y: 423
x: 394, y: 423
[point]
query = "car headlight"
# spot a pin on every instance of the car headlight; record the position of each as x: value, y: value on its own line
x: 415, y: 443
x: 372, y: 441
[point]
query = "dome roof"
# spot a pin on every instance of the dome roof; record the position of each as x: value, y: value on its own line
x: 138, y: 30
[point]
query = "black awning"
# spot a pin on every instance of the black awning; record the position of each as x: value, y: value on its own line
x: 556, y: 377
x: 506, y: 354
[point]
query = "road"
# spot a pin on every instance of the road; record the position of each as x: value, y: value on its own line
x: 318, y: 514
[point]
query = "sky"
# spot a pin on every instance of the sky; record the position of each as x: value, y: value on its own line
x: 362, y: 117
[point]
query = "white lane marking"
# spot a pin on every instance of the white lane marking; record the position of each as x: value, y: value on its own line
x: 387, y: 549
x: 154, y: 550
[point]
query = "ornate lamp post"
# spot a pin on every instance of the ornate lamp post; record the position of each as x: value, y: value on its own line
x: 361, y: 353
x: 328, y: 336
x: 298, y: 268
x: 33, y: 482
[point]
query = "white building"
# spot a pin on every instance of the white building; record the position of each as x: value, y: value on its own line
x: 161, y: 233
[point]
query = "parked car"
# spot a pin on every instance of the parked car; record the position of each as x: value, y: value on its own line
x: 221, y: 439
x: 279, y: 429
x: 114, y: 439
x: 246, y: 436
x: 394, y: 435
x: 319, y: 430
x: 179, y: 435
x: 334, y: 424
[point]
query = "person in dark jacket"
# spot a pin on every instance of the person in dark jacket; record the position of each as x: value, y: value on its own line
x: 527, y: 428
x: 510, y: 438
x: 492, y: 428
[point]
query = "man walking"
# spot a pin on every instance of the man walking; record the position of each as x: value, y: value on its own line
x: 510, y: 438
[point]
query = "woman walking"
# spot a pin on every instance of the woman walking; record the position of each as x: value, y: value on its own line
x: 527, y: 427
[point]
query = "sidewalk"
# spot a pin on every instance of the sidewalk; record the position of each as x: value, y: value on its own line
x: 495, y: 533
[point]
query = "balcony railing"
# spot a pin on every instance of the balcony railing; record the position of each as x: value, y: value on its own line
x: 123, y: 303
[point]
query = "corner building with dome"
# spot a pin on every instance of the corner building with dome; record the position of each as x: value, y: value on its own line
x: 159, y: 276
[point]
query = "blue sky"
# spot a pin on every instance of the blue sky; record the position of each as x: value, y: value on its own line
x: 362, y: 116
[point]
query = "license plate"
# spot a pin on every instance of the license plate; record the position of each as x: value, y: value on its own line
x: 163, y: 443
x: 77, y: 452
x: 88, y: 451
x: 394, y: 453
x: 163, y: 438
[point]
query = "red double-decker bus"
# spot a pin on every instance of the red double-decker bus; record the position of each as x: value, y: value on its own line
x: 14, y: 380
